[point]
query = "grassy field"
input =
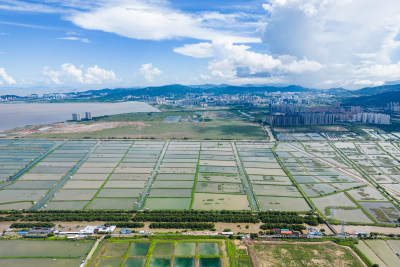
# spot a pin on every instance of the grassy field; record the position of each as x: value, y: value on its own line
x: 306, y: 254
x: 194, y: 125
x: 234, y: 130
x: 38, y: 253
x: 379, y: 252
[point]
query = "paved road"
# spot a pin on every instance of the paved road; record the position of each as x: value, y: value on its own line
x: 153, y: 176
x: 89, y: 255
x: 246, y: 183
x: 270, y: 134
x: 49, y: 195
x: 30, y: 165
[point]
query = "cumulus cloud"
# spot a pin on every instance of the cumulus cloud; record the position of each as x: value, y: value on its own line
x: 200, y: 50
x: 314, y: 43
x: 5, y: 78
x: 238, y: 62
x: 74, y: 38
x: 149, y: 72
x: 368, y: 83
x: 156, y: 20
x: 361, y: 36
x: 71, y: 73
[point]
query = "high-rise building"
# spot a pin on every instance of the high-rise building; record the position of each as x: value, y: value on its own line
x: 88, y: 115
x: 300, y: 119
x: 76, y: 117
x: 374, y: 118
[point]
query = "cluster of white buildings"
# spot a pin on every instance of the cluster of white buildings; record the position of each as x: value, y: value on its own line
x: 374, y: 118
x: 77, y: 116
x: 88, y: 231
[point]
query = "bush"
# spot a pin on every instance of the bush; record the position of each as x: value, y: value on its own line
x: 253, y: 236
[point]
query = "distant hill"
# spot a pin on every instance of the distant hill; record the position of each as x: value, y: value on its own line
x: 378, y: 90
x: 177, y: 89
x: 378, y: 100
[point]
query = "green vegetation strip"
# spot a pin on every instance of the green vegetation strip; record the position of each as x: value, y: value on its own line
x: 196, y: 177
x: 181, y: 225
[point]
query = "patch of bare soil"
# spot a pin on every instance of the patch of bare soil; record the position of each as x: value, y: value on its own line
x: 93, y: 127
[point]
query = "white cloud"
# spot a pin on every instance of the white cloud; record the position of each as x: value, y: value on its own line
x: 369, y: 83
x: 74, y: 38
x: 200, y: 50
x: 388, y: 72
x: 5, y: 78
x: 300, y: 66
x: 72, y: 74
x: 15, y: 5
x: 149, y: 72
x: 360, y: 36
x: 231, y: 61
x: 156, y: 20
x: 205, y: 77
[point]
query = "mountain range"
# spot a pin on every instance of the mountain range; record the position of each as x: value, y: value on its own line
x: 369, y: 96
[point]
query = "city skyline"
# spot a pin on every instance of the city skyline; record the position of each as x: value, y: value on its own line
x: 77, y: 44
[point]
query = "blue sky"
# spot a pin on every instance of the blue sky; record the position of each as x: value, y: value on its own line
x: 84, y: 44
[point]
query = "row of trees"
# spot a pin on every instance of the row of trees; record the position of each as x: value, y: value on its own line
x: 195, y: 216
x: 270, y: 226
x: 198, y: 212
x: 11, y: 217
x: 291, y: 219
x: 78, y: 216
x: 68, y: 215
x: 181, y: 225
x: 227, y: 216
x: 127, y: 224
x: 79, y: 211
x: 31, y: 225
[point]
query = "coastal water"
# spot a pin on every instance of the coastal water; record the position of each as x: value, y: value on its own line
x: 22, y: 114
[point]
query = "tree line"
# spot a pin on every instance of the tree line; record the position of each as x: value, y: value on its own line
x: 182, y: 225
x: 127, y: 224
x: 31, y: 225
x: 196, y: 216
x: 70, y: 216
x: 295, y: 227
x: 291, y: 219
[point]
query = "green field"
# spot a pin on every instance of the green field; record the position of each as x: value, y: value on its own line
x: 36, y: 248
x: 39, y: 262
x: 215, y: 130
x: 39, y: 253
x: 380, y: 251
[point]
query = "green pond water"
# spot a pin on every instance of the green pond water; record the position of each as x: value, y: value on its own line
x: 210, y: 262
x: 135, y: 262
x: 185, y: 249
x: 110, y: 262
x: 159, y: 262
x: 207, y: 249
x: 163, y: 249
x: 139, y: 249
x: 184, y: 262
